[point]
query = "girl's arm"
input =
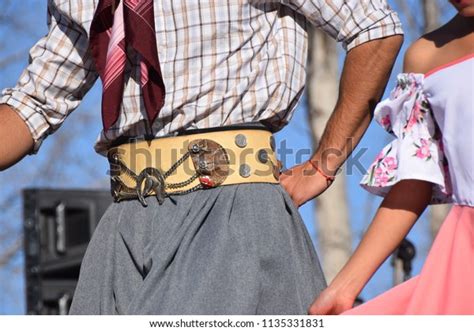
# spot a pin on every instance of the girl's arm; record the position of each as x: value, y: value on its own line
x: 397, y: 214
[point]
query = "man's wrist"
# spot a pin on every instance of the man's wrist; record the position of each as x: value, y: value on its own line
x: 329, y: 178
x: 328, y: 164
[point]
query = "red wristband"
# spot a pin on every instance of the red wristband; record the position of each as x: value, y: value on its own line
x: 329, y: 178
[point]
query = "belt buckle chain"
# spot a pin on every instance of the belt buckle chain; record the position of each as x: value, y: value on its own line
x: 211, y: 165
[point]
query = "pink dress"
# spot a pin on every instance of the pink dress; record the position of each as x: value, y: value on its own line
x: 432, y: 117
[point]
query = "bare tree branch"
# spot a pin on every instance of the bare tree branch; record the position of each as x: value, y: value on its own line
x: 11, y: 251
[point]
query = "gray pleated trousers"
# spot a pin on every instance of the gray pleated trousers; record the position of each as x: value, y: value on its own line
x: 238, y: 249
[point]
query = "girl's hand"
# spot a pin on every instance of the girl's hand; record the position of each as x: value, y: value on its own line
x: 331, y: 302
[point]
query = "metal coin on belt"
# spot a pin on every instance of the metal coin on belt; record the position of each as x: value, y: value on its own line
x: 244, y: 170
x: 241, y: 140
x: 262, y: 156
x: 272, y: 143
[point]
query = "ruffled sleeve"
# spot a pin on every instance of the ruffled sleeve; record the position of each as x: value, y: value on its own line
x: 417, y: 151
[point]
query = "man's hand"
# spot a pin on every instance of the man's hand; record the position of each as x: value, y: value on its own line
x: 364, y: 77
x: 303, y: 183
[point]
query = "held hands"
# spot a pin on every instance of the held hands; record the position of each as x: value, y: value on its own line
x: 303, y: 183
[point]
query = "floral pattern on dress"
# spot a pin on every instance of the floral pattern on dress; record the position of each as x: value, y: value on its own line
x: 423, y: 149
x: 417, y: 152
x: 384, y: 170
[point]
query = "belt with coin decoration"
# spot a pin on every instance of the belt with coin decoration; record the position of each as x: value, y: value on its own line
x: 178, y: 165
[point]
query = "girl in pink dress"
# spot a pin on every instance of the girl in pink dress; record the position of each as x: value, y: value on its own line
x: 431, y: 114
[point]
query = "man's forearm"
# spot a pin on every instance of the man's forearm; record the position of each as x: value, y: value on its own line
x: 15, y: 138
x: 364, y: 78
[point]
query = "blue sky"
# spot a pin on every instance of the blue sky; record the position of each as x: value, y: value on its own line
x: 362, y: 205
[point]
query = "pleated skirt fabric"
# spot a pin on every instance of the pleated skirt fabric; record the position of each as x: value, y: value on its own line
x: 445, y: 285
x: 238, y: 249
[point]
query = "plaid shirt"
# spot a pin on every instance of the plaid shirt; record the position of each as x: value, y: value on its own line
x: 223, y: 62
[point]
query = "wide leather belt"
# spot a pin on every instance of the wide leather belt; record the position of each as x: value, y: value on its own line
x: 182, y: 164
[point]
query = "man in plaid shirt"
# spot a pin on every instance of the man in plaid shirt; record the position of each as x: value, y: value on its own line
x: 221, y: 63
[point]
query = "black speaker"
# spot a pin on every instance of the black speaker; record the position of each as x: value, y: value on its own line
x: 58, y: 225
